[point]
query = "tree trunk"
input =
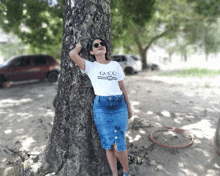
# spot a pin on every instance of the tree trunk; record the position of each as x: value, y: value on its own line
x: 145, y: 59
x: 74, y: 148
x: 143, y: 54
x: 185, y: 57
x: 206, y: 57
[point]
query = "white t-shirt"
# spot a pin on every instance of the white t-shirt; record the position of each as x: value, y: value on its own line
x: 105, y: 77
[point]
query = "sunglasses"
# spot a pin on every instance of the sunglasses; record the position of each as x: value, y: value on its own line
x: 96, y: 45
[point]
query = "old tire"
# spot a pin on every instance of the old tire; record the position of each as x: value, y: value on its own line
x: 52, y: 77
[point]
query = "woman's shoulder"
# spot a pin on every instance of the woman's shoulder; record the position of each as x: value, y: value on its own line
x: 114, y: 62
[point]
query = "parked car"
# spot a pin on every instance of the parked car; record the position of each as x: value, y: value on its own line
x: 130, y: 64
x: 27, y: 67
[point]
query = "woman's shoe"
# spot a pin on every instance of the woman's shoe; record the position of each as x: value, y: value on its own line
x: 126, y: 174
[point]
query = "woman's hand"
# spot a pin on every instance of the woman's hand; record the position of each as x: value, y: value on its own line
x: 78, y: 45
x: 74, y: 55
x: 77, y: 49
x: 130, y: 113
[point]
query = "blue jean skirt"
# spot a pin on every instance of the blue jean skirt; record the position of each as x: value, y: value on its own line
x: 111, y: 120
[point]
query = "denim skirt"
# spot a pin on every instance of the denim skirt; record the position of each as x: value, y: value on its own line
x: 111, y: 120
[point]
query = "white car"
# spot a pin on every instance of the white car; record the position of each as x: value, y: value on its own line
x: 130, y: 64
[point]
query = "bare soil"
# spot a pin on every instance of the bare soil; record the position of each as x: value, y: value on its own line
x: 192, y: 104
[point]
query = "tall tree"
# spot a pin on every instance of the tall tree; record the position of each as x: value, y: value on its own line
x: 129, y: 18
x: 74, y: 147
x: 164, y: 22
x: 171, y: 19
x: 39, y: 24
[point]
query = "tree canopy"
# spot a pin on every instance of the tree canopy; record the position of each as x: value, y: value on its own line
x: 206, y: 7
x: 34, y: 22
x: 39, y: 24
x: 136, y: 25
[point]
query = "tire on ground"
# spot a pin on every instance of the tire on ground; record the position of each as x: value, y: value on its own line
x: 52, y: 77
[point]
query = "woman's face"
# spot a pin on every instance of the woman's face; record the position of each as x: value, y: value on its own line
x: 97, y: 48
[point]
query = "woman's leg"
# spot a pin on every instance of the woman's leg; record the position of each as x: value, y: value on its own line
x: 112, y: 161
x: 123, y: 158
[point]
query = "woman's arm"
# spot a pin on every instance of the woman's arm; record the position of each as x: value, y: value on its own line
x: 74, y: 55
x: 122, y: 87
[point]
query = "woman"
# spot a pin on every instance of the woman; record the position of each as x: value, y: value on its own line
x: 111, y: 105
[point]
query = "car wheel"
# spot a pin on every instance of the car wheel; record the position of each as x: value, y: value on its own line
x: 129, y: 71
x: 2, y: 81
x: 52, y: 77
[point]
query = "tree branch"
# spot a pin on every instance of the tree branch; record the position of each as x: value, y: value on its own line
x: 158, y: 36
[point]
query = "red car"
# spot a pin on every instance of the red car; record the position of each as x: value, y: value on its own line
x: 27, y: 67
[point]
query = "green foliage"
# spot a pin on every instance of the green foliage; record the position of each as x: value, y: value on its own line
x: 11, y: 49
x: 136, y: 25
x: 206, y: 7
x: 127, y: 16
x: 193, y: 72
x: 177, y: 22
x: 34, y: 22
x: 139, y: 12
x: 168, y: 19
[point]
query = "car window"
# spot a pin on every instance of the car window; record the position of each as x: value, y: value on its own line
x: 16, y: 62
x: 25, y: 62
x: 134, y: 57
x: 123, y: 58
x: 39, y: 60
x: 49, y: 59
x: 117, y: 58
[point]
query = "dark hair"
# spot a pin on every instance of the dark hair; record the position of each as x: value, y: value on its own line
x: 90, y: 45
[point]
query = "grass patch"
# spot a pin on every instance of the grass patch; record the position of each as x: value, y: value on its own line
x: 192, y: 72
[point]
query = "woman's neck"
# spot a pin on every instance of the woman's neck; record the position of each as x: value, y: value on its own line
x: 101, y: 59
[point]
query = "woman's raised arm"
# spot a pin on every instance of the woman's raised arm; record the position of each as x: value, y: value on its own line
x: 74, y: 55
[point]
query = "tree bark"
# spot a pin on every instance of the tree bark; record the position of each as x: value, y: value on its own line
x: 74, y: 148
x: 142, y: 51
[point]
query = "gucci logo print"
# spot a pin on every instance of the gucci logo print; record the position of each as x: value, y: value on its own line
x: 110, y: 75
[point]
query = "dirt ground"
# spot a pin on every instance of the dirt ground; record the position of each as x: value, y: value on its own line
x: 192, y: 104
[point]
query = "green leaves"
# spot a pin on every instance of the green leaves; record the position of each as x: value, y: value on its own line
x: 136, y: 25
x: 33, y: 21
x: 139, y: 12
x: 207, y: 8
